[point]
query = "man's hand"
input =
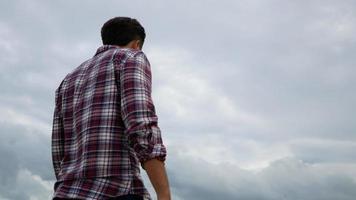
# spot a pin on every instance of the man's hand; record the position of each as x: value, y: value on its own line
x: 157, y: 174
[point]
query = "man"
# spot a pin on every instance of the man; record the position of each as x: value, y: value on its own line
x: 105, y: 125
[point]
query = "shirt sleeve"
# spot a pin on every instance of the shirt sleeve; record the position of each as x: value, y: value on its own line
x: 138, y: 110
x: 57, y: 135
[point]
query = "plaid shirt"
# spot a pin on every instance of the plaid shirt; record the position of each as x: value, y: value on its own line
x: 105, y: 126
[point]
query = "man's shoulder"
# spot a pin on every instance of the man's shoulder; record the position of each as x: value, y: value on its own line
x: 120, y: 55
x: 128, y: 53
x: 126, y: 56
x: 117, y: 54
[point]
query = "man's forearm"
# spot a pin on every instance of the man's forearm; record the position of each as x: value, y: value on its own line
x: 156, y: 172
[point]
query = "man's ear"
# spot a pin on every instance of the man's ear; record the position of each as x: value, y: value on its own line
x: 137, y: 44
x: 134, y: 44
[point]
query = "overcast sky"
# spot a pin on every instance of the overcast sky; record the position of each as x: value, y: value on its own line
x: 255, y: 98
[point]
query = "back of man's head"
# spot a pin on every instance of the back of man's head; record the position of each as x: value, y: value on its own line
x: 121, y: 31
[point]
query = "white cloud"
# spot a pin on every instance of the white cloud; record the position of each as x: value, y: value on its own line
x: 32, y: 186
x: 8, y: 43
x: 15, y: 117
x: 188, y: 96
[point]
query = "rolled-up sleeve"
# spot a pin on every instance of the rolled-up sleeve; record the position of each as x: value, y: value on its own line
x: 138, y: 110
x: 57, y: 135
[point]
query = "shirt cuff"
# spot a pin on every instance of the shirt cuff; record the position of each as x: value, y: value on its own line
x: 158, y: 151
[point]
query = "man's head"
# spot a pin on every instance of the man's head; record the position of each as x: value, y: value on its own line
x: 124, y: 32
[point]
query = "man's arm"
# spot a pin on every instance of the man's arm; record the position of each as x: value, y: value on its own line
x: 157, y: 173
x: 141, y: 122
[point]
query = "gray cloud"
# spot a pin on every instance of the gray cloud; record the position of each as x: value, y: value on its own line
x: 25, y: 170
x: 322, y: 151
x: 288, y: 179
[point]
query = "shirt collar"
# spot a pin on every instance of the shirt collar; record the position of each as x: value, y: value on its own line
x: 105, y: 48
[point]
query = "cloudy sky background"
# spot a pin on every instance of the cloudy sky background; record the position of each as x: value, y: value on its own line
x: 255, y: 98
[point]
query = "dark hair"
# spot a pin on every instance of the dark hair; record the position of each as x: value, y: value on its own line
x: 122, y: 30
